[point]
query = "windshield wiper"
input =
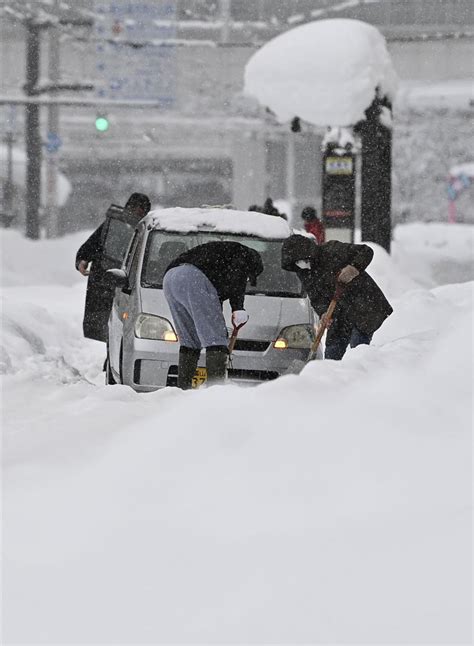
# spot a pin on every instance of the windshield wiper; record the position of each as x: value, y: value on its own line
x: 279, y: 294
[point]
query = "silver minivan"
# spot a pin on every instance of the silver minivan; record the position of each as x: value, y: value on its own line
x: 143, y: 348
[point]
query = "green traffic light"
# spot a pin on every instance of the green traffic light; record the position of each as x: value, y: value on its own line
x: 102, y: 124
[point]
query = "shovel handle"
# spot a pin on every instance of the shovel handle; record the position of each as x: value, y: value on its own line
x: 233, y: 339
x: 328, y: 318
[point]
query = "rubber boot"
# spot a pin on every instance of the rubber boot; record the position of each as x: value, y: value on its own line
x: 216, y: 364
x: 188, y: 360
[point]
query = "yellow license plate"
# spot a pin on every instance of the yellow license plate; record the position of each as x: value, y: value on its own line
x: 200, y: 376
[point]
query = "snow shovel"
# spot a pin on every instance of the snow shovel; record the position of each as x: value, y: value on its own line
x: 233, y: 340
x: 325, y: 323
x: 231, y: 346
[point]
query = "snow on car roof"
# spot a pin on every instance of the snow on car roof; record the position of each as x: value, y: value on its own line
x: 324, y: 72
x: 219, y: 220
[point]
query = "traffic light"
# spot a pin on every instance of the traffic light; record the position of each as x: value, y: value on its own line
x: 101, y: 123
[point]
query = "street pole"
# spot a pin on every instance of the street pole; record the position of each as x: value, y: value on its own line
x: 8, y: 187
x: 290, y: 177
x: 225, y: 19
x: 53, y: 134
x: 32, y: 132
x: 376, y: 180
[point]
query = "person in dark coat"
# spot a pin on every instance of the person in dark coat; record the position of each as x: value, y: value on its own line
x: 195, y: 285
x: 362, y: 308
x: 100, y: 291
x: 313, y: 224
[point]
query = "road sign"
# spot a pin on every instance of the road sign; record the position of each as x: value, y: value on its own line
x: 53, y: 142
x: 128, y: 65
x: 335, y: 165
x: 338, y: 185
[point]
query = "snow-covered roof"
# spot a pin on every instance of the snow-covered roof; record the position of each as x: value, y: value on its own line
x: 324, y: 72
x: 219, y: 220
x: 462, y: 169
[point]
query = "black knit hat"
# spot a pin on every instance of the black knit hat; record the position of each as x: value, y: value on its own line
x: 138, y: 201
x: 309, y: 213
x: 298, y: 247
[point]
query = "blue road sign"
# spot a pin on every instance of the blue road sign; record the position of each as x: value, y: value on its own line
x: 53, y: 142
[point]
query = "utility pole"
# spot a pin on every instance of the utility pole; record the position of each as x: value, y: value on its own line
x: 32, y: 131
x: 290, y: 176
x: 225, y: 19
x: 32, y: 91
x: 8, y: 185
x: 53, y: 134
x: 376, y: 181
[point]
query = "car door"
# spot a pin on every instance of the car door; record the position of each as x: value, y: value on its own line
x: 121, y: 305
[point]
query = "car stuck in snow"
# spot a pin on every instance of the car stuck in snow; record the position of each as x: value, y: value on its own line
x: 143, y: 348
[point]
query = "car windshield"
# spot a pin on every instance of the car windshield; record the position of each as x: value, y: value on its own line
x: 164, y: 246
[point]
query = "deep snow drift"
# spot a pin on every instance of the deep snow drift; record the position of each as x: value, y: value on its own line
x: 324, y: 72
x: 334, y: 506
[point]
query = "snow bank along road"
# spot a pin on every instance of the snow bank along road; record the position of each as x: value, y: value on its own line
x: 333, y: 506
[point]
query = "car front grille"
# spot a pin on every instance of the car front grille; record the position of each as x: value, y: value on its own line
x: 241, y: 375
x: 247, y: 345
x: 253, y: 375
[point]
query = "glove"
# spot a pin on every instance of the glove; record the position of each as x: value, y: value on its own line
x: 239, y: 318
x: 303, y: 264
x: 347, y: 274
x: 82, y: 267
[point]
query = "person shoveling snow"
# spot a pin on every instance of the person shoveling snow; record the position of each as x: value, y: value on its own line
x: 195, y: 285
x: 322, y: 269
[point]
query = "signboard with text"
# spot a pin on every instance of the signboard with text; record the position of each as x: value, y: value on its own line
x: 339, y: 195
x: 133, y: 59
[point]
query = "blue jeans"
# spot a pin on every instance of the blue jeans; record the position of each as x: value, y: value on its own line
x: 195, y: 308
x: 340, y: 334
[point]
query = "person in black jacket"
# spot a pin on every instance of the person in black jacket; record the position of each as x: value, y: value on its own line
x: 362, y: 308
x: 100, y: 291
x: 195, y: 285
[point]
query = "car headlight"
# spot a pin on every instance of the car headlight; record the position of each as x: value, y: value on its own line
x: 295, y: 336
x: 157, y: 328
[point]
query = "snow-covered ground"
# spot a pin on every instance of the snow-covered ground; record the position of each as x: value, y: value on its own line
x: 334, y: 506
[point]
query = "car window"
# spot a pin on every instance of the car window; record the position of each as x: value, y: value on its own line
x: 163, y: 247
x: 117, y: 240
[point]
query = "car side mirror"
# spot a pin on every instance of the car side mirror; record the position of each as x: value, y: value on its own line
x: 117, y: 277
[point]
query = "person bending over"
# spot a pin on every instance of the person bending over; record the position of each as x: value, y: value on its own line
x: 195, y: 285
x: 361, y: 309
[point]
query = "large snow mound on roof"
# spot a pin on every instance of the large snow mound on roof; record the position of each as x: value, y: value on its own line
x: 219, y: 220
x: 324, y: 72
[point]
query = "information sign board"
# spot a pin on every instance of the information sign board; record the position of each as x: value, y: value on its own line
x: 133, y: 59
